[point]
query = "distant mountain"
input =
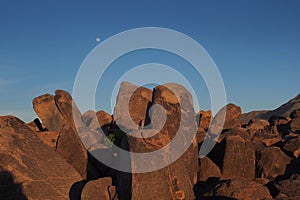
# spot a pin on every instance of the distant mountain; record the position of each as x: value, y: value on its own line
x: 284, y: 110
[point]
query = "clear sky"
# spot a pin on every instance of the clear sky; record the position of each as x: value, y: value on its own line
x: 255, y: 44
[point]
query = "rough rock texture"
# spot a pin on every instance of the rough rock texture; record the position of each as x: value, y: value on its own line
x: 238, y: 189
x: 267, y: 139
x: 56, y: 113
x: 256, y: 125
x: 235, y: 131
x: 295, y: 125
x: 231, y: 113
x: 99, y: 189
x: 208, y: 169
x: 203, y: 119
x: 41, y: 172
x: 235, y: 157
x: 246, y: 117
x: 272, y: 162
x: 131, y: 106
x: 295, y: 114
x: 289, y: 188
x: 176, y: 180
x: 90, y: 120
x: 49, y: 138
x: 104, y: 119
x: 292, y: 147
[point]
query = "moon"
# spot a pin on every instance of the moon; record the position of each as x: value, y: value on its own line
x: 98, y: 39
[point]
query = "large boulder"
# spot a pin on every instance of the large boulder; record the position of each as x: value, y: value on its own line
x: 131, y: 106
x: 23, y: 157
x: 59, y: 114
x: 236, y: 157
x: 175, y: 180
x: 272, y: 162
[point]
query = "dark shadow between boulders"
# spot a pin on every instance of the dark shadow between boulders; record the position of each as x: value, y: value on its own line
x: 9, y: 189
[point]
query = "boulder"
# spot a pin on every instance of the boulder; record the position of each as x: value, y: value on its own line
x: 104, y: 119
x: 235, y: 131
x: 90, y: 120
x: 231, y: 113
x: 131, y: 106
x: 175, y: 181
x: 292, y: 147
x: 272, y: 162
x: 59, y: 114
x: 208, y: 169
x: 39, y: 171
x: 237, y: 189
x: 295, y: 125
x: 235, y: 157
x: 203, y: 119
x: 295, y: 114
x: 289, y: 188
x: 99, y: 189
x: 267, y: 139
x: 257, y: 125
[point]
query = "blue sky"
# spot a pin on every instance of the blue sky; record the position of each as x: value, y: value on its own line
x: 255, y: 44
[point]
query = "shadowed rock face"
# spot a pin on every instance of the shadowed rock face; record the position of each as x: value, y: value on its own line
x: 235, y: 156
x: 42, y: 172
x: 56, y: 114
x: 272, y: 162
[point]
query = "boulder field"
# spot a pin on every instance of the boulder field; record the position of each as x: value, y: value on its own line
x: 256, y: 155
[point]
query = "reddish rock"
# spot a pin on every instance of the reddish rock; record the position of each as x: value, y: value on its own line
x: 292, y: 146
x: 237, y: 159
x: 272, y: 162
x: 131, y: 106
x: 295, y: 125
x: 208, y: 169
x: 289, y: 188
x: 49, y: 138
x: 46, y: 109
x: 99, y: 189
x: 204, y: 119
x: 235, y: 131
x: 267, y: 139
x: 56, y: 113
x: 177, y: 179
x: 40, y: 170
x: 104, y: 119
x: 257, y: 125
x: 295, y: 114
x: 231, y: 113
x: 238, y: 189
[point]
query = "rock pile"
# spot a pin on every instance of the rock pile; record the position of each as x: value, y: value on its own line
x: 256, y: 155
